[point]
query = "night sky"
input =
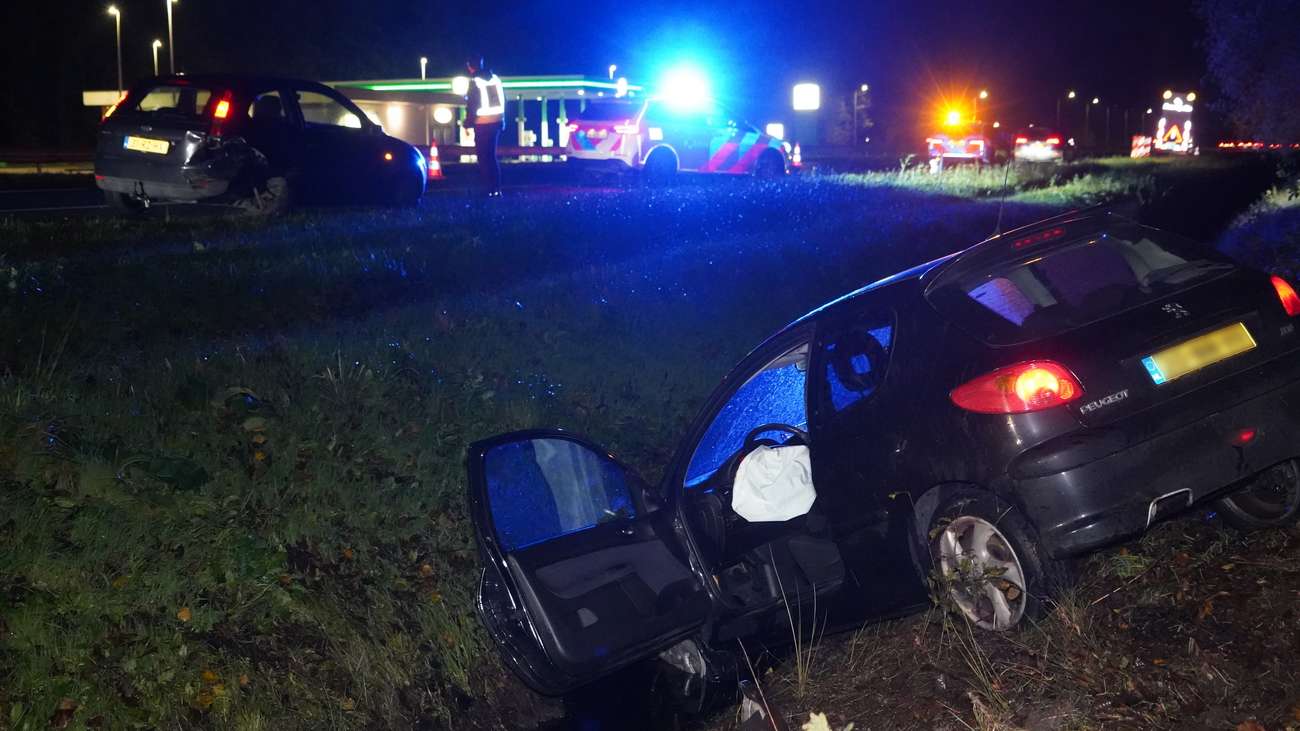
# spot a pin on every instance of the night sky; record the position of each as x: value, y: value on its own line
x: 912, y: 53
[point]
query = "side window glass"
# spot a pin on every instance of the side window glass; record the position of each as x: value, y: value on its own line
x: 856, y: 362
x: 325, y: 111
x: 774, y: 395
x: 541, y: 489
x: 267, y: 109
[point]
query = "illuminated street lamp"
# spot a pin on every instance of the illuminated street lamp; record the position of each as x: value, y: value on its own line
x: 117, y: 22
x: 1068, y: 95
x: 1087, y: 117
x: 424, y: 66
x: 171, y: 42
x: 858, y: 104
x: 612, y: 68
x: 975, y: 113
x: 155, y: 46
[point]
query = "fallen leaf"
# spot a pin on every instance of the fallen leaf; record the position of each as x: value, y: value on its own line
x: 1207, y: 608
x: 1228, y: 567
x: 1250, y: 724
x: 1159, y: 661
x: 285, y: 579
x: 244, y: 681
x: 119, y: 582
x: 426, y: 570
x: 208, y: 676
x: 348, y: 554
x: 184, y: 614
x: 259, y: 439
x: 63, y: 714
x: 203, y: 699
x: 259, y: 456
x: 347, y: 704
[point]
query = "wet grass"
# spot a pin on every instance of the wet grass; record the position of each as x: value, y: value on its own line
x: 231, y: 482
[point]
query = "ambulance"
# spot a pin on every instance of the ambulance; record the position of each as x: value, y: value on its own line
x: 657, y: 141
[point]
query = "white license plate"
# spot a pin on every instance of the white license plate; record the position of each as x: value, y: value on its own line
x: 146, y: 144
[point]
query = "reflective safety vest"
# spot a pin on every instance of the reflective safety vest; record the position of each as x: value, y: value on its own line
x: 491, y: 98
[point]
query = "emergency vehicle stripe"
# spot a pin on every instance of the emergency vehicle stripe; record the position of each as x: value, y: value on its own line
x: 750, y: 153
x: 720, y: 156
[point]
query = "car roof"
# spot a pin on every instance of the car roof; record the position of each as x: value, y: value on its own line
x: 996, y: 248
x: 234, y: 80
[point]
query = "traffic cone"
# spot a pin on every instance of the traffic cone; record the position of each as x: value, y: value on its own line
x: 435, y: 167
x: 796, y: 159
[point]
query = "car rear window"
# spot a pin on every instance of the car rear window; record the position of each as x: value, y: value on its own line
x: 175, y: 100
x: 1056, y: 286
x: 609, y: 112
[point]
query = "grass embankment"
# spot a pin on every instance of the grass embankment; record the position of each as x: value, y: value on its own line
x: 231, y: 452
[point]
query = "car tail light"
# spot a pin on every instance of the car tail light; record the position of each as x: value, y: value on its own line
x: 1286, y: 293
x: 220, y: 112
x: 116, y: 104
x: 1053, y: 141
x: 1022, y: 140
x: 1019, y: 389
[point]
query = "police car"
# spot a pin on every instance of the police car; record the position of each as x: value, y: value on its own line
x: 657, y: 140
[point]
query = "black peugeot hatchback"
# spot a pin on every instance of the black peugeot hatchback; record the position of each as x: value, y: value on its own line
x: 979, y: 420
x: 256, y: 142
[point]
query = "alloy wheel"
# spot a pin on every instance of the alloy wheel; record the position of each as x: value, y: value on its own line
x: 982, y: 573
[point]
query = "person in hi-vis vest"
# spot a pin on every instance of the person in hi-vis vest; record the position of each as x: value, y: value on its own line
x: 485, y: 109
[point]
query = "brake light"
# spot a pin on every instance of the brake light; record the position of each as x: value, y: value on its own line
x: 1053, y: 140
x: 1286, y: 293
x: 1022, y: 140
x: 116, y: 104
x: 220, y: 112
x: 1019, y: 389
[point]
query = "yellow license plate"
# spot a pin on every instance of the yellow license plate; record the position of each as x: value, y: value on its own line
x: 1199, y: 352
x: 146, y: 144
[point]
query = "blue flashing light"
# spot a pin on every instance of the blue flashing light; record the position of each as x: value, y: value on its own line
x: 685, y: 88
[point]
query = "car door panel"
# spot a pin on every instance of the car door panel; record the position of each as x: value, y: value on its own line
x: 860, y: 438
x: 603, y: 582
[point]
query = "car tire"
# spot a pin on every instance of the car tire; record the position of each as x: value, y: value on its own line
x: 989, y: 565
x: 124, y: 203
x: 770, y: 166
x: 271, y: 197
x: 660, y: 168
x: 1270, y: 499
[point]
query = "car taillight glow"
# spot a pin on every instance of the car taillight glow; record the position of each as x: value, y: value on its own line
x: 1022, y: 140
x: 1019, y: 389
x: 116, y: 104
x: 1053, y: 140
x: 223, y: 109
x: 1286, y: 293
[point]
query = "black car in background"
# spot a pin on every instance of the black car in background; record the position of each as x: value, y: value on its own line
x: 259, y: 143
x: 978, y: 420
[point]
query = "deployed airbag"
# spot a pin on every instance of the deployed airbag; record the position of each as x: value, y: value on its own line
x: 774, y: 484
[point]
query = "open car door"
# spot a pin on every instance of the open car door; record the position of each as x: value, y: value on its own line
x: 583, y: 573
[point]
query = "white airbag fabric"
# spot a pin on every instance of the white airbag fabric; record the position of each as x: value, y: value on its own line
x: 773, y: 484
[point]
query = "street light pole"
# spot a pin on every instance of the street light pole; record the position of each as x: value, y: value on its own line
x: 984, y: 94
x: 1068, y: 95
x: 155, y: 46
x: 857, y: 101
x: 117, y: 23
x: 171, y: 42
x: 424, y: 65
